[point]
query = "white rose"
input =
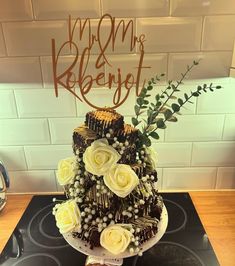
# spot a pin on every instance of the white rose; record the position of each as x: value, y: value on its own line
x: 68, y: 216
x: 115, y: 238
x: 152, y: 157
x: 66, y: 170
x: 121, y: 180
x: 99, y: 157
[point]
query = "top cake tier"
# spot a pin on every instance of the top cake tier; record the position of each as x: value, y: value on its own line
x: 103, y: 120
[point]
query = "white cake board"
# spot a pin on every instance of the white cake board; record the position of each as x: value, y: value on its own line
x: 103, y: 256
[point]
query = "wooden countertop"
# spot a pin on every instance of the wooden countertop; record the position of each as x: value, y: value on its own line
x: 216, y: 210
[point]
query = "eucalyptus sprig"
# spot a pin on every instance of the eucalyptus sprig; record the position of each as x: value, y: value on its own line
x: 162, y: 107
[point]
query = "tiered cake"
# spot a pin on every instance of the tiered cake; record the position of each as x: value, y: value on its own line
x: 111, y: 186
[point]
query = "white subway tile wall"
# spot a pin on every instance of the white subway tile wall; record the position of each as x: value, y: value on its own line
x: 20, y: 72
x: 217, y: 34
x: 189, y: 178
x: 171, y: 34
x: 229, y: 127
x: 61, y: 128
x: 36, y: 159
x: 133, y: 8
x: 33, y: 38
x: 7, y: 110
x: 16, y: 10
x: 201, y: 7
x: 225, y: 177
x: 44, y: 103
x: 60, y: 9
x: 197, y: 152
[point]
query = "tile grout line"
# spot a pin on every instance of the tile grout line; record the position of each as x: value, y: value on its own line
x: 17, y: 111
x: 162, y: 177
x: 118, y: 17
x: 101, y: 7
x: 191, y: 155
x: 4, y: 40
x: 48, y: 125
x: 222, y: 137
x: 202, y: 31
x: 41, y: 72
x: 170, y: 8
x: 216, y: 178
x: 26, y: 161
x: 128, y: 53
x: 32, y: 9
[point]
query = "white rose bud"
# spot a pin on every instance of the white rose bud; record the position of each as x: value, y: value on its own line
x: 115, y: 238
x: 121, y: 180
x: 68, y: 216
x: 66, y: 170
x: 152, y: 157
x: 99, y: 157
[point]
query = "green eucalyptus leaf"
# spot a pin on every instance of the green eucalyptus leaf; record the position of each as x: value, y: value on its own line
x: 180, y: 101
x: 134, y: 121
x: 172, y: 119
x: 146, y: 102
x: 173, y: 97
x: 186, y: 96
x: 175, y: 107
x: 137, y: 109
x: 154, y: 135
x: 218, y: 87
x: 160, y: 123
x: 158, y: 104
x: 149, y: 88
x: 199, y: 88
x: 145, y: 90
x: 173, y: 87
x: 140, y: 101
x: 167, y: 114
x: 162, y: 110
x: 195, y: 94
x: 157, y: 97
x: 149, y: 112
x: 146, y: 140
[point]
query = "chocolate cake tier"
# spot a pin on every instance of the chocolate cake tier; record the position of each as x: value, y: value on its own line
x: 98, y: 203
x: 128, y: 133
x: 103, y: 120
x: 145, y: 224
x: 83, y: 137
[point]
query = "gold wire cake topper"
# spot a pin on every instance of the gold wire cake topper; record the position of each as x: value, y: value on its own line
x: 80, y: 82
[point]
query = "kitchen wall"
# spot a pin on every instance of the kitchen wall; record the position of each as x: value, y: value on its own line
x: 198, y: 152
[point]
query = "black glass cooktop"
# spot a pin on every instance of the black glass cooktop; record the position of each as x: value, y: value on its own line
x: 37, y: 242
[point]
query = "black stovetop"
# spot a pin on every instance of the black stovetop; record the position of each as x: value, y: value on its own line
x: 37, y: 242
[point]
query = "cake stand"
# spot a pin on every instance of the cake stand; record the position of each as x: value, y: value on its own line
x: 101, y: 256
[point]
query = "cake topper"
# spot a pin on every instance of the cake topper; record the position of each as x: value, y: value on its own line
x: 80, y: 83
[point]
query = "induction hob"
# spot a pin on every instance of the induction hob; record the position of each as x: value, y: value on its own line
x: 36, y: 240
